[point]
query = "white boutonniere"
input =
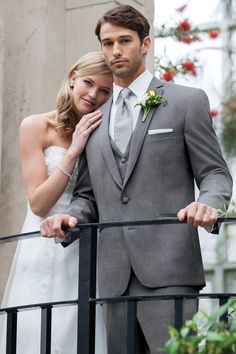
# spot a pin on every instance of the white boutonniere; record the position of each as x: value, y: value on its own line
x: 150, y: 100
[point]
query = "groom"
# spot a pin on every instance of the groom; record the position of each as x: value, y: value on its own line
x: 136, y: 168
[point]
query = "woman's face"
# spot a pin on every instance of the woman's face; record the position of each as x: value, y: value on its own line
x: 91, y: 91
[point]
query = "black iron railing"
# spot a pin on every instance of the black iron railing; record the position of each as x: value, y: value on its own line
x: 87, y: 300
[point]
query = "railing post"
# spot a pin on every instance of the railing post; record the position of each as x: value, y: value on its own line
x: 87, y: 290
x: 178, y: 312
x: 224, y: 317
x: 131, y: 326
x: 11, y: 332
x: 46, y: 324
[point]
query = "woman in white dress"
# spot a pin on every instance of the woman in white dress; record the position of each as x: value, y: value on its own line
x: 50, y: 144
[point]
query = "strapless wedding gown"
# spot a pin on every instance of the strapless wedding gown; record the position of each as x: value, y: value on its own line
x: 44, y: 271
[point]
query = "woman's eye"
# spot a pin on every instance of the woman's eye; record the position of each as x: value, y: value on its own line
x: 105, y: 92
x: 87, y: 82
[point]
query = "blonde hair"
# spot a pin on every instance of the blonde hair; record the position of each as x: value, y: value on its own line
x: 91, y: 63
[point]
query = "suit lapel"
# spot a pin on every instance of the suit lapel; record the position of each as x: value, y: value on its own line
x: 141, y: 130
x: 106, y: 146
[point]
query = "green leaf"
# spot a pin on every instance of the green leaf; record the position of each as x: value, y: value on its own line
x: 184, y: 332
x: 171, y: 347
x: 173, y: 332
x: 214, y: 337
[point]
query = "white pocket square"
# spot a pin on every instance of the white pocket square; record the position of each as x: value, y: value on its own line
x: 159, y: 131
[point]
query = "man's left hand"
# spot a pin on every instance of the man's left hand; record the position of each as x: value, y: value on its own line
x: 198, y: 214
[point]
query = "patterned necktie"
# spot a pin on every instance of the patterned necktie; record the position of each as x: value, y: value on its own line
x: 123, y: 121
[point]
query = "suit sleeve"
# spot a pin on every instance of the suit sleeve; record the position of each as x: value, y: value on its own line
x: 83, y: 205
x: 210, y: 170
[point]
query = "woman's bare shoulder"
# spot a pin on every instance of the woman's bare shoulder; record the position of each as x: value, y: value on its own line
x: 40, y: 121
x: 35, y: 129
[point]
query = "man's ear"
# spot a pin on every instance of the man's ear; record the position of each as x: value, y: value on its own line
x: 146, y: 44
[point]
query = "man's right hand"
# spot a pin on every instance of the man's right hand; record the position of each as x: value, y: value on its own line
x: 52, y: 226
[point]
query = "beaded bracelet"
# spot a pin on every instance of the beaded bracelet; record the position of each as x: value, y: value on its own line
x: 65, y: 173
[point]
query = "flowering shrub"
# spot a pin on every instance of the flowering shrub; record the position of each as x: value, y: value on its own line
x: 184, y: 31
x: 181, y: 29
x: 168, y: 70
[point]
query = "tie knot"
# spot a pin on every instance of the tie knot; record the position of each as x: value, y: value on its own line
x: 125, y: 93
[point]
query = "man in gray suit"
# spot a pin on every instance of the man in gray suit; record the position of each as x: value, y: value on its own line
x: 171, y: 148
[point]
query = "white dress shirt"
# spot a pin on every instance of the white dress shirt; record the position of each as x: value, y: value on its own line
x: 139, y: 88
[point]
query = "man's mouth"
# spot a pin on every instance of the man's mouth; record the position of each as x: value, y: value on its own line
x: 118, y: 61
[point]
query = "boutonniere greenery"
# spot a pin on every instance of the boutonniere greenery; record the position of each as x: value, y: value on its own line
x: 150, y: 100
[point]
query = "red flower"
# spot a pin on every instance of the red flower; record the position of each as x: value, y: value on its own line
x: 189, y: 66
x: 187, y: 40
x: 214, y: 113
x: 168, y: 75
x: 184, y: 25
x: 181, y: 8
x: 214, y: 34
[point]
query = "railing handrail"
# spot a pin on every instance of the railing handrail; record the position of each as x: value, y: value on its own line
x: 166, y: 219
x: 39, y: 305
x: 122, y: 298
x: 162, y: 297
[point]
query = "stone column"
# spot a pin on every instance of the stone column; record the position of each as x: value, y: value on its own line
x: 32, y: 64
x: 39, y: 41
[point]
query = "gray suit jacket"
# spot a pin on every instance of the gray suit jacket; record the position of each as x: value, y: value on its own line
x: 159, y: 179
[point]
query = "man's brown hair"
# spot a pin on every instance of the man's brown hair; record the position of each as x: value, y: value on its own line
x: 125, y: 16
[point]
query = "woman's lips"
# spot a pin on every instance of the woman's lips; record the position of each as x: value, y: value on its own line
x: 88, y: 102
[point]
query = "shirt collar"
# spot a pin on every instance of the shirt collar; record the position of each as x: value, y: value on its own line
x: 139, y: 86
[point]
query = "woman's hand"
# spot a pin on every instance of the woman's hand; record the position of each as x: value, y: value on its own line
x: 87, y: 124
x: 52, y: 226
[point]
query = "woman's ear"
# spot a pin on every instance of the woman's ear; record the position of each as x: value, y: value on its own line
x: 72, y: 79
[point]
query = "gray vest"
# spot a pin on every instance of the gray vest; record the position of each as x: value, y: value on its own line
x: 121, y: 159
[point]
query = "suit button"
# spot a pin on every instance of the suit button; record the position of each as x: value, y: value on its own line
x: 123, y: 160
x: 125, y: 200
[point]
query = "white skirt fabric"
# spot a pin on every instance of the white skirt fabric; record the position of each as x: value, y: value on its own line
x: 44, y: 271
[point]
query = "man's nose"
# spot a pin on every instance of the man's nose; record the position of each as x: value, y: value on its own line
x: 116, y: 50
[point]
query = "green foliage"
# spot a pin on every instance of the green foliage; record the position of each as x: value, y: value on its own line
x: 214, y: 337
x: 228, y: 210
x: 228, y: 136
x: 228, y: 132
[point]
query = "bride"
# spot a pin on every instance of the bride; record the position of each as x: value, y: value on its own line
x: 50, y: 144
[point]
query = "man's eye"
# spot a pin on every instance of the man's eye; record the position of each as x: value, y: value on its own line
x: 107, y: 44
x: 125, y: 41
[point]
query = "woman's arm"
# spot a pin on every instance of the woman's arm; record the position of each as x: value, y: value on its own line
x: 44, y: 191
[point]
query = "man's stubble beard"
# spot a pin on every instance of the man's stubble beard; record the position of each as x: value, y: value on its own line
x: 124, y: 73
